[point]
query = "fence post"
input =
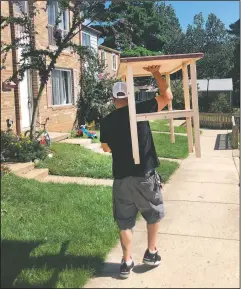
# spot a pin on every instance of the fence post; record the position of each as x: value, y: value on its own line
x: 235, y: 132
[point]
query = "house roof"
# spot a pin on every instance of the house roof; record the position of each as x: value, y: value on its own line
x: 147, y: 88
x: 109, y: 49
x: 168, y: 63
x: 92, y: 29
x: 225, y: 84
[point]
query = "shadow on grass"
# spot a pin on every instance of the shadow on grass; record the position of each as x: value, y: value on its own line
x: 222, y: 142
x: 15, y: 257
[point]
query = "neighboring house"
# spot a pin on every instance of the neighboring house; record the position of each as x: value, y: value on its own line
x: 59, y: 97
x: 90, y: 37
x: 213, y: 87
x: 109, y: 56
x: 145, y: 92
x: 111, y: 59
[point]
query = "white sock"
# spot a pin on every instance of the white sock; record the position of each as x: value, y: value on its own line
x: 152, y: 252
x: 129, y: 262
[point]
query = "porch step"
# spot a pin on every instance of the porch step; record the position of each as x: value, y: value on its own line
x: 20, y: 168
x: 58, y: 136
x: 93, y: 146
x: 37, y: 174
x: 77, y: 141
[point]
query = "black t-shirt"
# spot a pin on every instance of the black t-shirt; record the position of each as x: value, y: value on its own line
x: 115, y: 131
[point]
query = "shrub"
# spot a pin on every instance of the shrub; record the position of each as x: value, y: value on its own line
x: 221, y: 104
x: 4, y: 170
x: 96, y: 92
x: 21, y: 149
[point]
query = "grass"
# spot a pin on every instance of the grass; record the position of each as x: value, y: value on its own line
x: 54, y: 235
x: 230, y: 138
x: 76, y: 161
x: 163, y: 126
x: 166, y: 169
x: 166, y: 149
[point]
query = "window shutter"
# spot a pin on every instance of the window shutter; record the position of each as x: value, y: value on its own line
x: 76, y: 86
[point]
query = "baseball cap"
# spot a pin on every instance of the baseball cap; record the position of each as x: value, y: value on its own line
x: 120, y: 90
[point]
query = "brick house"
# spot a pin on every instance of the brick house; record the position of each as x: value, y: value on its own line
x: 111, y: 58
x: 58, y: 99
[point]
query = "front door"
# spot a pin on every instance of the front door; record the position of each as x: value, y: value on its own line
x: 26, y: 97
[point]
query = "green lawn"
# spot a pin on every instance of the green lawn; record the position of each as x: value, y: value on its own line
x: 76, y: 161
x: 163, y: 126
x: 166, y: 149
x: 53, y: 235
x: 166, y: 169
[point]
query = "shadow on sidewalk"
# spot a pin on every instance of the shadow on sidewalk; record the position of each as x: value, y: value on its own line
x: 112, y: 270
x: 222, y: 142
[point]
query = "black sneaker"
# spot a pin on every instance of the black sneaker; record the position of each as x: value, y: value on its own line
x: 151, y: 259
x: 125, y: 270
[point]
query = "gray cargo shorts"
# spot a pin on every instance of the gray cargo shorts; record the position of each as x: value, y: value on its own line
x: 133, y: 194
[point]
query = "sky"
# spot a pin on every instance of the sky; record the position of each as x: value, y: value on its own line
x: 226, y: 11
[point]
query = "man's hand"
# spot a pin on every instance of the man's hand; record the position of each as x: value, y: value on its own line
x: 152, y: 68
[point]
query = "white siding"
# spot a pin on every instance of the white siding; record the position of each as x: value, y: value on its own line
x: 93, y: 38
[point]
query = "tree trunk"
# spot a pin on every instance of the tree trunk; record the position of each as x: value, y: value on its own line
x: 14, y: 65
x: 35, y: 110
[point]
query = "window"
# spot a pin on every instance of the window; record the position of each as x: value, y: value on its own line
x: 85, y: 39
x: 61, y: 87
x: 21, y: 6
x: 114, y: 62
x: 53, y: 10
x: 102, y: 57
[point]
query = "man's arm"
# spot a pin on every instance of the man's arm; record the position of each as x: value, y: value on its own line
x: 165, y: 92
x: 105, y: 148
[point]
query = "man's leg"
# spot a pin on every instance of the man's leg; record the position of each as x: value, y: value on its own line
x: 148, y: 199
x: 152, y: 231
x: 126, y: 240
x: 125, y: 212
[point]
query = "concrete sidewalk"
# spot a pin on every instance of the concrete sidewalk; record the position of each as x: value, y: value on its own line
x: 199, y: 236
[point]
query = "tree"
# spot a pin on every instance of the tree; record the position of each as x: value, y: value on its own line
x: 43, y: 61
x: 95, y: 97
x: 213, y: 40
x: 171, y: 28
x: 149, y: 24
x: 235, y: 73
x: 139, y: 51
